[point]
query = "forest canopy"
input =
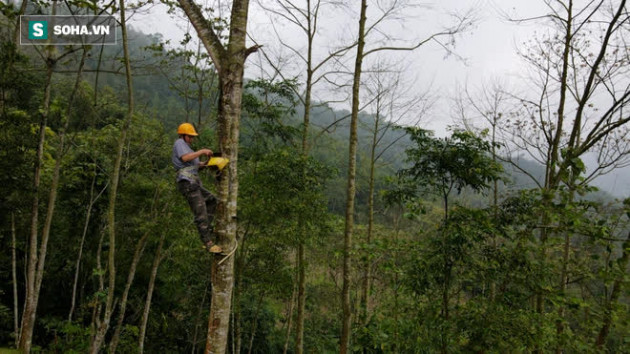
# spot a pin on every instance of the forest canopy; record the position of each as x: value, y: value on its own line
x: 350, y: 227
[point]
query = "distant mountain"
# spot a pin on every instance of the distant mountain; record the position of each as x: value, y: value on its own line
x: 329, y: 126
x: 529, y: 171
x: 616, y: 182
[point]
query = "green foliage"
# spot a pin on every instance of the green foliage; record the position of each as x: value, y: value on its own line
x: 6, y: 316
x: 281, y: 205
x: 283, y: 187
x: 483, y: 265
x: 267, y: 106
x: 443, y: 164
x: 19, y: 85
x: 259, y: 319
x: 67, y: 337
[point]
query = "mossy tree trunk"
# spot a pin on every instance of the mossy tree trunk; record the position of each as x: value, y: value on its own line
x: 229, y: 60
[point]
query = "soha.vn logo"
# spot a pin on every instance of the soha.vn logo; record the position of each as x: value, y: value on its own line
x: 37, y: 29
x: 67, y: 30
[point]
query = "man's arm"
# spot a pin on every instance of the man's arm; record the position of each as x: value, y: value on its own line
x: 193, y: 155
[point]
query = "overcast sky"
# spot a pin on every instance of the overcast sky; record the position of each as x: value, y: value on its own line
x: 488, y: 52
x: 488, y: 49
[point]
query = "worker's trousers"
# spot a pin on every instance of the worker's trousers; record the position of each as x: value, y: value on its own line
x: 203, y: 205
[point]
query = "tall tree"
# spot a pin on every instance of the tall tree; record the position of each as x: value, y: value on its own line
x: 442, y: 166
x: 139, y: 250
x: 351, y: 189
x: 37, y: 256
x: 54, y: 187
x: 16, y: 316
x: 86, y: 224
x: 157, y: 259
x: 393, y: 103
x: 306, y: 19
x: 103, y: 325
x: 617, y: 288
x: 30, y: 307
x: 229, y: 61
x: 490, y: 106
x: 388, y: 10
x: 579, y: 106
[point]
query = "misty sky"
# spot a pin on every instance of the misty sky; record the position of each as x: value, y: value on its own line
x: 487, y: 52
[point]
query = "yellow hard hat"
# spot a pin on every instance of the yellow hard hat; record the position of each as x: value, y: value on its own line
x: 220, y: 162
x: 186, y: 129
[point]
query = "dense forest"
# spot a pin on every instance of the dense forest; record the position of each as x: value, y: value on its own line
x: 348, y: 226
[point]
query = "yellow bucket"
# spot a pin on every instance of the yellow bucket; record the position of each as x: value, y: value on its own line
x: 220, y: 162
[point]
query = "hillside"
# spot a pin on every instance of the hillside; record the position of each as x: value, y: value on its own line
x: 116, y: 254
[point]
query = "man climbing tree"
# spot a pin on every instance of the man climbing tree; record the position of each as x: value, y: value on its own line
x: 202, y: 203
x: 229, y: 61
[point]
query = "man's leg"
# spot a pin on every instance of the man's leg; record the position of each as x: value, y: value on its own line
x: 196, y: 201
x: 211, y: 205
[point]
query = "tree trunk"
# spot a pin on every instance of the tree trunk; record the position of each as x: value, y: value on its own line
x: 236, y: 319
x: 255, y: 323
x: 230, y: 63
x: 132, y: 273
x: 198, y: 317
x: 367, y: 266
x: 16, y: 34
x: 123, y: 301
x: 301, y: 256
x: 301, y: 300
x: 447, y: 278
x: 147, y: 304
x: 445, y: 305
x: 56, y: 175
x: 495, y: 205
x: 351, y: 189
x: 30, y: 306
x: 552, y: 155
x: 99, y: 337
x: 289, y: 321
x: 309, y: 80
x: 223, y: 273
x: 16, y: 316
x: 564, y: 280
x: 240, y: 264
x: 97, y: 75
x: 82, y: 243
x: 97, y: 304
x: 218, y: 321
x: 38, y: 275
x: 90, y: 205
x: 615, y: 294
x: 396, y: 285
x: 553, y: 180
x: 41, y: 260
